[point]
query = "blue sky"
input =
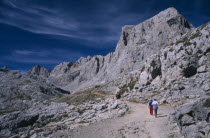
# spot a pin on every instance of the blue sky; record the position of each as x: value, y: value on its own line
x: 48, y: 32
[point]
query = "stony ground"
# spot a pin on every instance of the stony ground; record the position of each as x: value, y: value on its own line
x: 137, y: 123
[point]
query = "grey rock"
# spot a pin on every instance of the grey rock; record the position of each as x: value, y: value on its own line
x: 192, y: 118
x: 202, y: 69
x: 136, y: 44
x: 39, y: 71
x: 187, y: 120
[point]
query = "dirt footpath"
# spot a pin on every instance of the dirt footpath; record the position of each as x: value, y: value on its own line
x: 137, y: 123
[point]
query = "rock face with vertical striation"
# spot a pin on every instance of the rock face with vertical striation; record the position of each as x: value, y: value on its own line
x: 136, y: 44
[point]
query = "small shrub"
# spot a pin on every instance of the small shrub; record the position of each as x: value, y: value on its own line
x: 81, y: 111
x: 132, y: 83
x: 208, y: 94
x: 197, y: 34
x: 82, y: 122
x: 187, y: 44
x: 171, y: 136
x: 134, y: 101
x: 39, y: 130
x: 206, y: 103
x: 180, y: 49
x: 6, y: 111
x: 171, y: 50
x: 185, y: 39
x: 171, y: 43
x: 143, y: 68
x: 202, y: 26
x: 27, y: 81
x: 125, y: 87
x: 82, y: 97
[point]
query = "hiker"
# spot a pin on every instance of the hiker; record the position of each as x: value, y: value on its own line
x: 155, y: 107
x: 150, y: 106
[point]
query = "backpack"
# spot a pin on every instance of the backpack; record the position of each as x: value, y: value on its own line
x: 150, y: 103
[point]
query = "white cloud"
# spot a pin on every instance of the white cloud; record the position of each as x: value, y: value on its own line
x: 101, y: 28
x: 52, y: 56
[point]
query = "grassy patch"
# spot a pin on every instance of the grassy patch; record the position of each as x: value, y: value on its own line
x: 143, y: 68
x: 206, y: 103
x: 180, y: 49
x: 202, y: 26
x: 132, y: 83
x: 183, y: 40
x: 82, y: 97
x: 133, y: 101
x: 81, y: 111
x: 171, y: 50
x: 187, y: 43
x: 39, y: 130
x: 6, y: 111
x: 197, y: 34
x: 171, y: 136
x: 208, y: 93
x: 171, y: 43
x: 27, y: 81
x: 83, y: 122
x: 125, y: 87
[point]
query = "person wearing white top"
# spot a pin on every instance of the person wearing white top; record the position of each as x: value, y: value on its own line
x: 155, y: 107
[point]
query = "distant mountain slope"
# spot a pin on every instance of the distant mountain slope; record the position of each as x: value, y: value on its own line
x: 20, y: 91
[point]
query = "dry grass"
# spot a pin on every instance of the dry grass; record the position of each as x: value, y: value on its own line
x: 83, y: 97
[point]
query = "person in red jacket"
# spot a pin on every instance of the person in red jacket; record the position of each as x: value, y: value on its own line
x: 150, y: 106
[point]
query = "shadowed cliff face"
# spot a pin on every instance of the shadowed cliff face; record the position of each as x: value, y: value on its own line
x: 135, y: 46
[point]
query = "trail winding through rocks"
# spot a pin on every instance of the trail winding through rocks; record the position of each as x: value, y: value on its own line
x: 137, y: 123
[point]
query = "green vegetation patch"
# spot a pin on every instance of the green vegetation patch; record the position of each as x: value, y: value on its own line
x: 57, y: 119
x: 81, y: 111
x: 206, y: 103
x: 208, y: 94
x: 134, y: 101
x: 125, y: 87
x: 187, y: 43
x: 6, y: 111
x: 183, y: 40
x: 202, y: 26
x: 82, y: 97
x: 83, y: 122
x: 186, y: 40
x: 197, y: 34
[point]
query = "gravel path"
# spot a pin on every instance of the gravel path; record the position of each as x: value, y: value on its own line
x: 137, y: 123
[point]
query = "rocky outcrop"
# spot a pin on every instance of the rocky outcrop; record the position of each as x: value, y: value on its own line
x: 193, y: 118
x: 39, y: 71
x: 180, y: 70
x: 19, y: 91
x: 135, y: 46
x: 45, y: 118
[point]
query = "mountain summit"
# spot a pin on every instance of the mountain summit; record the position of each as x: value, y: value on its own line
x: 136, y: 44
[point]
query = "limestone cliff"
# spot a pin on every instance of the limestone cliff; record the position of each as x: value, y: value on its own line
x: 135, y: 46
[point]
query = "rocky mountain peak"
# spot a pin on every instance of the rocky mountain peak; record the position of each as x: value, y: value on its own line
x: 170, y: 11
x: 4, y: 69
x: 162, y: 29
x: 137, y: 43
x: 39, y: 71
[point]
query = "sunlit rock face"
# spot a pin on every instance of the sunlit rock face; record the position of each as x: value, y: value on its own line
x: 137, y: 43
